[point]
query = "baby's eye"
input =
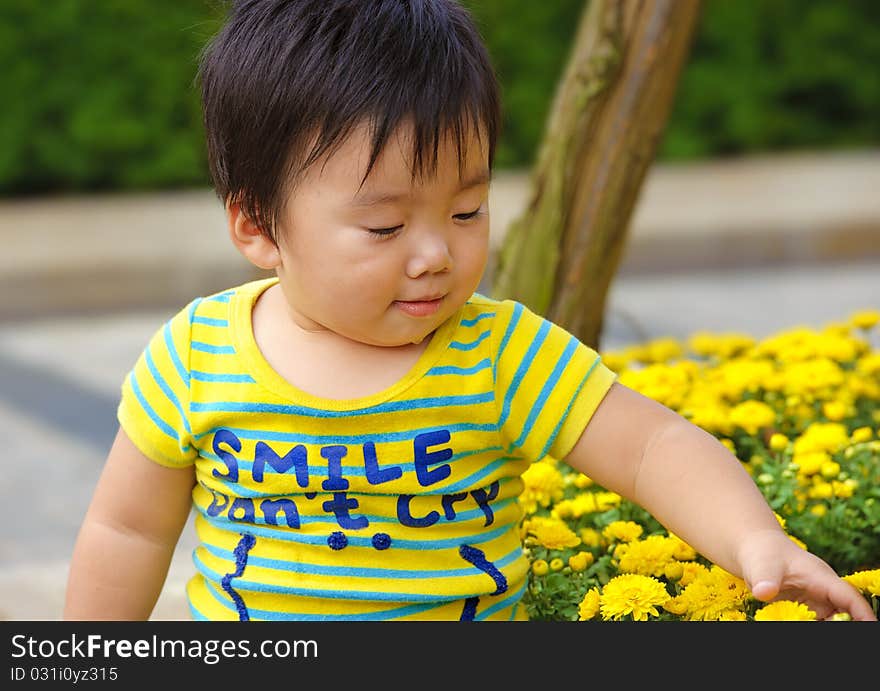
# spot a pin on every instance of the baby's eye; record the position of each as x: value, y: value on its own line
x: 469, y: 216
x: 384, y: 232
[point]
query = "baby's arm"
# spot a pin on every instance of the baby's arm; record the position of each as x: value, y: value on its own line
x: 128, y: 536
x: 697, y: 489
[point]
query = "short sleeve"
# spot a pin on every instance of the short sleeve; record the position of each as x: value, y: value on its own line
x: 548, y: 383
x: 154, y: 406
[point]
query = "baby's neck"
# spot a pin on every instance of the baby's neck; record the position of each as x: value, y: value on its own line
x: 322, y: 362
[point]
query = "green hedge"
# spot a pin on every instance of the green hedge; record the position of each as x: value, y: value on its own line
x: 99, y: 95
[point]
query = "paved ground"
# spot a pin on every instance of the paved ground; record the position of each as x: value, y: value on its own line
x: 779, y: 243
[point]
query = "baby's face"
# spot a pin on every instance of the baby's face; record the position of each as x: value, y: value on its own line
x: 395, y: 287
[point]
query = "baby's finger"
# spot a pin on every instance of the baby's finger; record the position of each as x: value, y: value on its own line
x: 846, y: 598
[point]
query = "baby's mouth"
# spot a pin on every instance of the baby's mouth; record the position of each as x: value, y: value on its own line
x: 419, y: 308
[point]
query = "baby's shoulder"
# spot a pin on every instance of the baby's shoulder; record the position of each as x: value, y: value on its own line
x: 498, y: 314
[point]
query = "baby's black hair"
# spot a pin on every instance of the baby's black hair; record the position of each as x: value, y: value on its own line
x: 284, y: 82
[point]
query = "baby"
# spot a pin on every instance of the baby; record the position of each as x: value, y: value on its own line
x: 352, y: 431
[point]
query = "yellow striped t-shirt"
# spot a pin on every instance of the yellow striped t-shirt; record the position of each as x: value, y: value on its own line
x: 399, y: 505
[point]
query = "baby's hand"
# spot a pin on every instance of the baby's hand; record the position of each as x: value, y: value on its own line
x: 775, y: 568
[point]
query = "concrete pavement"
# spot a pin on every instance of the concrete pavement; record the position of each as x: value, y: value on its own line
x: 778, y: 242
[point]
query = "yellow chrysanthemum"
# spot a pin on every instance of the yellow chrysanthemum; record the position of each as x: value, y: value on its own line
x: 733, y: 615
x: 625, y: 531
x: 681, y: 550
x: 666, y: 384
x: 589, y: 605
x: 673, y: 571
x: 864, y: 319
x: 590, y: 537
x: 710, y: 594
x: 810, y: 462
x: 540, y: 567
x: 869, y: 365
x: 868, y: 582
x: 724, y: 346
x: 553, y: 533
x: 632, y: 595
x: 785, y: 610
x: 690, y: 571
x: 585, y: 503
x: 580, y: 561
x: 778, y: 442
x: 834, y: 410
x: 845, y: 489
x: 543, y: 485
x: 648, y: 557
x: 816, y: 377
x: 861, y: 434
x: 582, y: 481
x: 733, y: 379
x: 752, y: 416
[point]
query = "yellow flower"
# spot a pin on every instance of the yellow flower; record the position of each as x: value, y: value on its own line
x: 752, y: 415
x: 821, y: 490
x: 584, y: 503
x: 785, y: 610
x: 556, y: 564
x: 580, y: 561
x: 861, y: 434
x: 590, y: 537
x: 540, y: 567
x: 634, y: 595
x: 589, y: 605
x: 834, y: 410
x: 625, y: 531
x: 811, y: 462
x: 673, y: 571
x: 822, y: 436
x: 778, y: 442
x: 780, y: 520
x: 868, y: 582
x: 732, y: 615
x: 553, y: 533
x: 666, y: 384
x: 709, y: 593
x: 543, y: 484
x: 681, y: 550
x: 845, y: 489
x: 830, y: 469
x: 724, y: 346
x: 865, y: 319
x: 581, y: 481
x: 615, y: 361
x: 663, y: 350
x: 648, y: 557
x: 690, y: 571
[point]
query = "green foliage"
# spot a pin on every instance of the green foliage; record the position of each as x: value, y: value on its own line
x: 529, y: 48
x: 100, y: 95
x: 778, y: 74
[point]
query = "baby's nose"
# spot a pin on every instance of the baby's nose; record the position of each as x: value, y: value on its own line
x: 430, y: 254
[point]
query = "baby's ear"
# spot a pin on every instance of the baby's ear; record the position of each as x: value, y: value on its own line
x: 257, y: 247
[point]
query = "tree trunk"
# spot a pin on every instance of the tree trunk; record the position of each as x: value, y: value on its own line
x: 610, y: 109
